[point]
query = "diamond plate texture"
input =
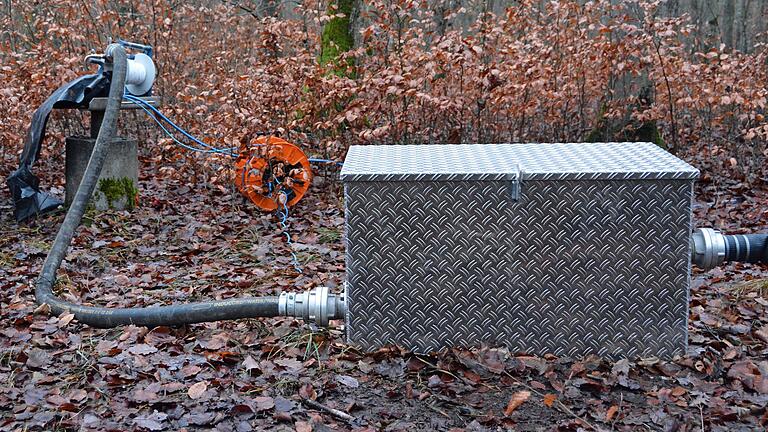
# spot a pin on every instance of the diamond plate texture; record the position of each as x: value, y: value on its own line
x: 573, y: 267
x: 557, y: 161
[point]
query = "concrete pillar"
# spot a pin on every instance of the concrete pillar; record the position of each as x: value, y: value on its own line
x: 117, y: 187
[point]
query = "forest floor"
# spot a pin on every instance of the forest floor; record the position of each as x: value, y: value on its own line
x: 192, y: 242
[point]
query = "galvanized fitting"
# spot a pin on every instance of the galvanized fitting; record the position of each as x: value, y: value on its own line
x: 317, y: 305
x: 707, y: 248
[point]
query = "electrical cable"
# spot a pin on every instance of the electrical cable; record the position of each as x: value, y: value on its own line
x: 211, y: 150
x: 283, y: 224
x: 325, y: 161
x: 154, y: 113
x: 149, y: 109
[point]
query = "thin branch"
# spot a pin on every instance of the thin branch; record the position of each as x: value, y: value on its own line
x: 332, y: 411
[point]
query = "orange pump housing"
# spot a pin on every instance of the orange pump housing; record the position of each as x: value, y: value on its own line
x: 272, y: 172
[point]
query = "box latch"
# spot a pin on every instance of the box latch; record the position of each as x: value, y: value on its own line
x: 515, y: 183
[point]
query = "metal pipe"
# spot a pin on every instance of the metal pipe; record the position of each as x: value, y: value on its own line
x: 318, y: 305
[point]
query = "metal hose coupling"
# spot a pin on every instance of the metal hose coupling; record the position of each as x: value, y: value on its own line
x: 707, y: 248
x: 318, y: 305
x: 710, y: 248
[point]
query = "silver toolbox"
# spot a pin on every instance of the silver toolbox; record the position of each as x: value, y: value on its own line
x: 567, y: 249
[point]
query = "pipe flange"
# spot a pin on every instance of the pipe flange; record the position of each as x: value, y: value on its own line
x: 707, y: 248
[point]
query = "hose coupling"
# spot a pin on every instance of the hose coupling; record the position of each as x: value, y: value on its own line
x: 318, y: 305
x: 707, y: 248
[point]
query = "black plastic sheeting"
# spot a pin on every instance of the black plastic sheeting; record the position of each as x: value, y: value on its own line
x: 28, y: 200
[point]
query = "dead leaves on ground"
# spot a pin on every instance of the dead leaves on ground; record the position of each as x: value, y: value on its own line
x: 254, y: 374
x: 515, y: 401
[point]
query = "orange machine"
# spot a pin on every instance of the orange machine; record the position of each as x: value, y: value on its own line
x: 272, y: 172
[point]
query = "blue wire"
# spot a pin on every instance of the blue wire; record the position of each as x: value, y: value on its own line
x: 211, y: 149
x: 144, y: 105
x: 327, y: 161
x: 283, y: 219
x: 167, y: 132
x: 161, y: 115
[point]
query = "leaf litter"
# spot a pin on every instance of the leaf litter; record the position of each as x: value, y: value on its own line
x: 277, y: 374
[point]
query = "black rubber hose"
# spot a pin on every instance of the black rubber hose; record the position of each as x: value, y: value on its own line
x: 749, y: 248
x: 112, y: 317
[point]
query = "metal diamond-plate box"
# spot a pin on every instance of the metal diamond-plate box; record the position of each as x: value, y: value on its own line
x: 567, y: 249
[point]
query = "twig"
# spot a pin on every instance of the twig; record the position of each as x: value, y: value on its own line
x: 332, y: 411
x: 462, y: 379
x: 618, y: 412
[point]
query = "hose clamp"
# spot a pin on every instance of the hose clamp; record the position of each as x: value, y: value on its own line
x: 707, y: 248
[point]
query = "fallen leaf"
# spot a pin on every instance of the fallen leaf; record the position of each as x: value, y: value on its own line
x: 762, y: 333
x: 190, y: 370
x: 515, y: 401
x: 144, y: 395
x: 197, y: 390
x: 291, y: 365
x: 347, y: 381
x: 284, y: 405
x: 78, y: 395
x: 200, y: 418
x: 539, y: 364
x: 549, y: 399
x: 264, y: 403
x: 215, y: 343
x: 302, y: 426
x: 751, y: 375
x: 611, y: 412
x: 148, y: 424
x: 65, y: 319
x: 307, y: 391
x: 151, y: 422
x: 142, y: 349
x: 37, y: 358
x: 249, y: 363
x: 43, y: 309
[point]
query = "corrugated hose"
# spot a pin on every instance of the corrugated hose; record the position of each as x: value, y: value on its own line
x: 317, y: 305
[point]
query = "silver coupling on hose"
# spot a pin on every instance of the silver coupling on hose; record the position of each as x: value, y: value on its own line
x: 707, y: 248
x: 318, y: 305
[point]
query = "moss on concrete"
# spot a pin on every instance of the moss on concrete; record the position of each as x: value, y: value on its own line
x: 116, y: 189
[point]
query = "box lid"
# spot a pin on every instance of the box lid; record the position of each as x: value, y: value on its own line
x: 556, y: 161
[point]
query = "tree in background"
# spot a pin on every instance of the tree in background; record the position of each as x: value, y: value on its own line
x: 453, y: 71
x: 337, y: 37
